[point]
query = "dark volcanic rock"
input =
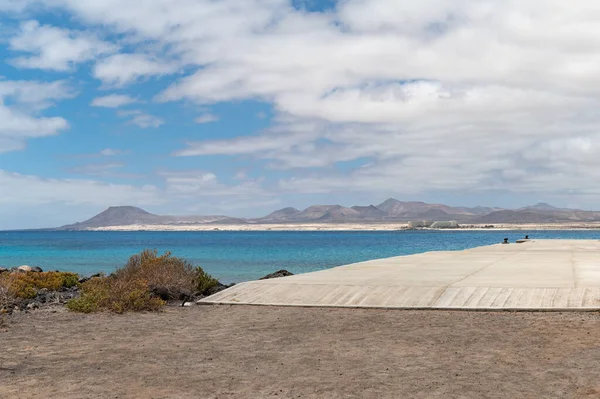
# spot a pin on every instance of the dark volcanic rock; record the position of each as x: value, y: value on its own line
x: 3, y: 270
x: 162, y: 292
x: 215, y: 289
x: 277, y: 274
x: 84, y: 279
x: 44, y: 297
x: 172, y: 294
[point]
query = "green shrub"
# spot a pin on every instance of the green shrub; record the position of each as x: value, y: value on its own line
x: 166, y: 271
x: 203, y: 281
x: 26, y: 285
x: 129, y: 288
x: 115, y: 295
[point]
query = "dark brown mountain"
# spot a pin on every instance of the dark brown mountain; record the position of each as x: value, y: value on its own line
x: 399, y: 210
x: 369, y: 212
x: 521, y: 216
x: 542, y: 206
x: 528, y: 215
x: 280, y: 215
x: 316, y: 212
x: 338, y: 213
x: 391, y: 210
x: 119, y: 216
x: 130, y: 215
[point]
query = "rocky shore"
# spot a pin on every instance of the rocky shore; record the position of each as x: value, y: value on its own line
x: 59, y: 297
x: 44, y: 297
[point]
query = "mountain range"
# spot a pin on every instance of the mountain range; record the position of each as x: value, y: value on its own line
x: 390, y: 210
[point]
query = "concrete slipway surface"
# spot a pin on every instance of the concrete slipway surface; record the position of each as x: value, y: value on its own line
x: 536, y: 275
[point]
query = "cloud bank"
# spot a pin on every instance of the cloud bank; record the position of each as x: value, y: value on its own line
x: 368, y: 96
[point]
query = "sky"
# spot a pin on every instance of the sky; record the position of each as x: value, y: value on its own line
x: 241, y: 107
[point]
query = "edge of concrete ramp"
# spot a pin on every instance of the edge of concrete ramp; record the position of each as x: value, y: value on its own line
x: 540, y: 275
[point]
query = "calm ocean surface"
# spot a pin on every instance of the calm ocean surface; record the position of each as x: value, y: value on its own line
x: 241, y: 256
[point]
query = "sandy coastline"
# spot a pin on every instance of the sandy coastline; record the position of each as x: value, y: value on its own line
x: 340, y: 227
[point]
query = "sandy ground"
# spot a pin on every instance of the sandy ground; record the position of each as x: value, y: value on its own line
x: 337, y: 227
x: 270, y: 352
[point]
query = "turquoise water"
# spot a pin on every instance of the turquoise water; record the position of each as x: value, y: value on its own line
x: 241, y: 256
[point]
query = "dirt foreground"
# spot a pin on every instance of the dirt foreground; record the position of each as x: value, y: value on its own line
x: 264, y: 352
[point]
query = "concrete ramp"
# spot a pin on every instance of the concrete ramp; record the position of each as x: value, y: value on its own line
x: 535, y: 275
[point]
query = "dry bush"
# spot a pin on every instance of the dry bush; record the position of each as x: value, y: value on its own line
x: 26, y: 285
x: 130, y: 288
x: 6, y: 295
x: 115, y: 295
x: 165, y: 271
x: 203, y: 281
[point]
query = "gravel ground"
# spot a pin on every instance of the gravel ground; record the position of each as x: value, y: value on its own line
x: 264, y: 352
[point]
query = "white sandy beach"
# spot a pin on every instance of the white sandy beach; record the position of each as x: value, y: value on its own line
x: 337, y: 227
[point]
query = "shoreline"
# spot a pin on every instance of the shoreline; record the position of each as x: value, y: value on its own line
x: 347, y: 227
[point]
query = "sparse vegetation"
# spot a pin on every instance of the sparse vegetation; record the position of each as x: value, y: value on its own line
x: 132, y: 287
x: 6, y: 297
x: 25, y: 285
x: 115, y: 295
x: 143, y: 284
x: 203, y: 281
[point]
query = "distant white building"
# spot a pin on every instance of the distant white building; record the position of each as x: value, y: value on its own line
x: 445, y: 225
x: 415, y: 224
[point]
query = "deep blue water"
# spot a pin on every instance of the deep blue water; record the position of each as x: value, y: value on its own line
x: 240, y: 256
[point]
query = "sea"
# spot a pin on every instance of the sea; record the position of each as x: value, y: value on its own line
x: 242, y: 256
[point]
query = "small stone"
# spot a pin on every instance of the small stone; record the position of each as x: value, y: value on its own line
x: 3, y: 270
x: 85, y: 279
x: 213, y: 290
x: 25, y: 268
x: 188, y: 304
x: 36, y: 269
x: 277, y: 274
x: 33, y: 305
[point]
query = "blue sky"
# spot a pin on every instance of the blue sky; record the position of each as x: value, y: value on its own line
x: 243, y: 107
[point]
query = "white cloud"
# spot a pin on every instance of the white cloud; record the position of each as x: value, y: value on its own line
x: 13, y: 5
x: 18, y: 188
x: 112, y: 152
x: 194, y: 184
x: 142, y: 119
x: 113, y: 101
x: 34, y: 95
x: 121, y: 69
x: 206, y: 118
x: 25, y: 199
x: 21, y: 120
x: 241, y: 175
x: 97, y: 169
x: 433, y: 95
x: 281, y: 138
x: 55, y: 48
